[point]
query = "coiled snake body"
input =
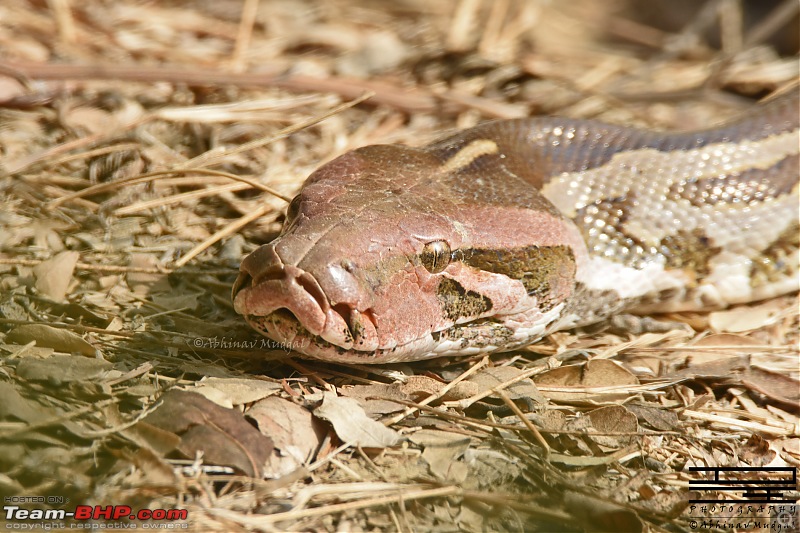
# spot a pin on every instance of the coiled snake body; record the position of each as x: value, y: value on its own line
x: 492, y: 238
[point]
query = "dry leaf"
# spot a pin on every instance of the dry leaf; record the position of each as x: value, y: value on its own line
x: 774, y: 385
x: 352, y: 424
x: 160, y: 441
x: 154, y: 468
x: 720, y: 368
x: 375, y: 399
x: 222, y: 435
x: 295, y: 433
x: 588, y: 381
x: 703, y: 351
x: 745, y: 318
x: 442, y: 451
x: 659, y: 418
x: 173, y: 302
x: 90, y: 119
x: 15, y: 405
x: 61, y: 340
x: 602, y: 515
x: 491, y: 468
x: 421, y: 387
x: 63, y: 369
x: 790, y: 451
x: 613, y: 419
x: 144, y: 283
x: 522, y: 390
x: 756, y: 451
x: 54, y: 275
x: 229, y: 392
x: 594, y: 373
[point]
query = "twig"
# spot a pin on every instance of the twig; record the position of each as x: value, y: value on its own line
x: 527, y: 423
x: 119, y: 269
x: 409, y: 100
x: 151, y: 176
x: 230, y: 229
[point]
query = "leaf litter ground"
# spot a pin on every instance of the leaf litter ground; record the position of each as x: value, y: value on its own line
x: 138, y: 146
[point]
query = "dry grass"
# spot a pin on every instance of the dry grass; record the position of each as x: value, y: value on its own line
x: 145, y: 147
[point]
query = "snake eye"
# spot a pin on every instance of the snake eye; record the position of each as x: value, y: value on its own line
x: 293, y: 209
x: 435, y: 256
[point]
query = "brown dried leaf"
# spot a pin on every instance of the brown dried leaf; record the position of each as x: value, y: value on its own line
x: 352, y: 424
x: 601, y: 515
x: 61, y: 340
x: 294, y: 431
x: 154, y: 468
x: 728, y: 339
x: 746, y: 318
x: 522, y: 390
x: 10, y: 89
x: 774, y: 385
x: 230, y: 392
x: 172, y: 302
x: 720, y: 368
x: 375, y: 398
x: 222, y: 435
x: 442, y: 450
x: 658, y: 418
x: 47, y: 234
x: 420, y: 387
x: 54, y: 275
x: 15, y: 405
x: 790, y: 451
x: 149, y: 436
x: 491, y: 468
x: 613, y: 419
x: 756, y: 451
x: 63, y: 369
x: 144, y: 283
x: 594, y: 373
x: 705, y: 350
x: 89, y: 119
x: 570, y: 383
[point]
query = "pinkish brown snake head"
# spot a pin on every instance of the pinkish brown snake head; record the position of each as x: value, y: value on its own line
x: 491, y: 238
x: 377, y: 261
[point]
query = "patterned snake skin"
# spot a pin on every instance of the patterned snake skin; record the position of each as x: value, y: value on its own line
x: 490, y: 239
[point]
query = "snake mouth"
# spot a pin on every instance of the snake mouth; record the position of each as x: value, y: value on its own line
x: 466, y: 339
x: 282, y: 287
x: 284, y: 301
x: 283, y: 326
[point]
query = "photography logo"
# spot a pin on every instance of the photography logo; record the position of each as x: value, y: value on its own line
x: 746, y: 484
x: 744, y: 498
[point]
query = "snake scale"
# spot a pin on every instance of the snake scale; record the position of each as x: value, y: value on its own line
x: 494, y: 237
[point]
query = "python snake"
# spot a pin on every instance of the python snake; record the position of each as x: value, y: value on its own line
x: 492, y: 238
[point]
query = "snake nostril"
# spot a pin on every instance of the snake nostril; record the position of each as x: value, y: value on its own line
x: 312, y: 287
x: 273, y: 272
x: 284, y: 315
x: 243, y: 280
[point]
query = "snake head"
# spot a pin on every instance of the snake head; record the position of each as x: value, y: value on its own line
x: 389, y: 254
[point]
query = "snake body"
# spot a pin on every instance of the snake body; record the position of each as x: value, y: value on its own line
x: 492, y: 238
